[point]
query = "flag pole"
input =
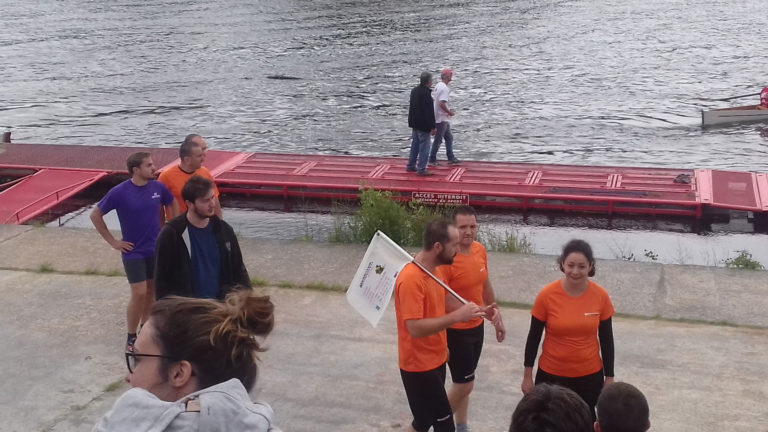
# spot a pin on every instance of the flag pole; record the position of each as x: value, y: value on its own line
x: 442, y: 284
x: 418, y: 264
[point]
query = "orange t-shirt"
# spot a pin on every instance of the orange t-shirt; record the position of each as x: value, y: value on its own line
x: 466, y: 276
x: 418, y: 296
x: 174, y: 179
x: 571, y: 347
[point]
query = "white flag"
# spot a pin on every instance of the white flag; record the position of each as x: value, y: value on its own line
x: 371, y: 288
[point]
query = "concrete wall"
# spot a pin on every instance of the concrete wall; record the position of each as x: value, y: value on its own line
x: 643, y: 289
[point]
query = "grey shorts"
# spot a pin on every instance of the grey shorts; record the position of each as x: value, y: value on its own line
x: 139, y: 269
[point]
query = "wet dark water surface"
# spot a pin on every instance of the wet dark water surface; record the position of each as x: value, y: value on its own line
x: 616, y: 82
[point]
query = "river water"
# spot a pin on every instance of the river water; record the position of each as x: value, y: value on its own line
x: 603, y: 82
x: 606, y: 82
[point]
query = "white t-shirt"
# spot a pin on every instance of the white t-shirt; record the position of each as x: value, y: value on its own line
x: 441, y: 93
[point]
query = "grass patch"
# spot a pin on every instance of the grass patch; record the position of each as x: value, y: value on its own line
x: 404, y: 223
x: 45, y: 268
x: 113, y: 386
x: 686, y: 321
x: 743, y: 261
x: 259, y: 282
x: 510, y: 241
x: 513, y: 305
x: 651, y: 255
x: 315, y: 286
x: 97, y: 272
x: 379, y: 210
x: 525, y: 306
x: 321, y: 286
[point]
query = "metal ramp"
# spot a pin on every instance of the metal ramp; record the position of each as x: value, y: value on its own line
x: 41, y: 191
x: 739, y: 190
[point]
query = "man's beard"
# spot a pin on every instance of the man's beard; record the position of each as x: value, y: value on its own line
x: 444, y: 259
x: 200, y: 214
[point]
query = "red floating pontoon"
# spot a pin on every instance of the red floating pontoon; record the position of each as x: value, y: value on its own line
x: 595, y: 189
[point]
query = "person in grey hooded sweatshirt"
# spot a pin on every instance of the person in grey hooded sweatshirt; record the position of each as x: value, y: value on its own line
x: 192, y: 367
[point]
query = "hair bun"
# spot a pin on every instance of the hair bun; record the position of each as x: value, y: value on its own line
x: 250, y: 311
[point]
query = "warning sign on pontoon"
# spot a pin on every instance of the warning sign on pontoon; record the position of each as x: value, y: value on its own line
x: 441, y: 198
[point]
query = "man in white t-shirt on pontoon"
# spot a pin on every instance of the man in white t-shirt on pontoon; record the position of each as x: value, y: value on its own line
x: 441, y: 95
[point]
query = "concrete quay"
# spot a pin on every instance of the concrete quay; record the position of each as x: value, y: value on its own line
x: 327, y: 369
x: 708, y: 294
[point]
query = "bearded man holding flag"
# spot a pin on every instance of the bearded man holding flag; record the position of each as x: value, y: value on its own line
x: 421, y: 324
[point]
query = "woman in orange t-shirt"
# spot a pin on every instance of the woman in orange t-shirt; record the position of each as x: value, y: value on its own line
x: 578, y: 346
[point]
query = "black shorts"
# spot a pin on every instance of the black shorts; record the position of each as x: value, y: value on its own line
x: 588, y: 386
x: 428, y: 401
x: 464, y: 348
x: 139, y: 269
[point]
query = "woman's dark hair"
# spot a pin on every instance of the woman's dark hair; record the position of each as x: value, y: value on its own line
x: 218, y: 339
x: 578, y: 246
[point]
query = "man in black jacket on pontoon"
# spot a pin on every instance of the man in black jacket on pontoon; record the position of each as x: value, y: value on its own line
x: 421, y: 120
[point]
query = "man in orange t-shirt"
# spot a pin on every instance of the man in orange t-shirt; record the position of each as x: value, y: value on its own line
x: 191, y: 158
x: 468, y: 276
x: 421, y: 324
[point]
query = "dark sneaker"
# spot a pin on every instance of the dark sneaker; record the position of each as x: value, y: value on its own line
x: 454, y: 161
x: 434, y: 164
x: 411, y: 169
x: 426, y: 173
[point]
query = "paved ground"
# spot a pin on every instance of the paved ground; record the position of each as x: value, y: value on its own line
x: 637, y: 288
x: 327, y: 369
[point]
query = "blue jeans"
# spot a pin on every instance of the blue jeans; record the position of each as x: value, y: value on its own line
x: 420, y: 150
x: 443, y: 131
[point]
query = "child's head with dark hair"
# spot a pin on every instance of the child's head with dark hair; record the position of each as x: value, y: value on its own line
x: 621, y: 407
x: 551, y: 408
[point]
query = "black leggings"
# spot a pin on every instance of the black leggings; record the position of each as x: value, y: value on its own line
x: 588, y: 386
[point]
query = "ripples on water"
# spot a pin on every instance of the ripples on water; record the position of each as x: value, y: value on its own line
x: 614, y: 82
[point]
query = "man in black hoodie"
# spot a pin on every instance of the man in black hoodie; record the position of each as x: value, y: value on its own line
x: 197, y: 254
x: 421, y: 118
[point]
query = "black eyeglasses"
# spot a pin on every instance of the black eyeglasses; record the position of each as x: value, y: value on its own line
x: 131, y: 359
